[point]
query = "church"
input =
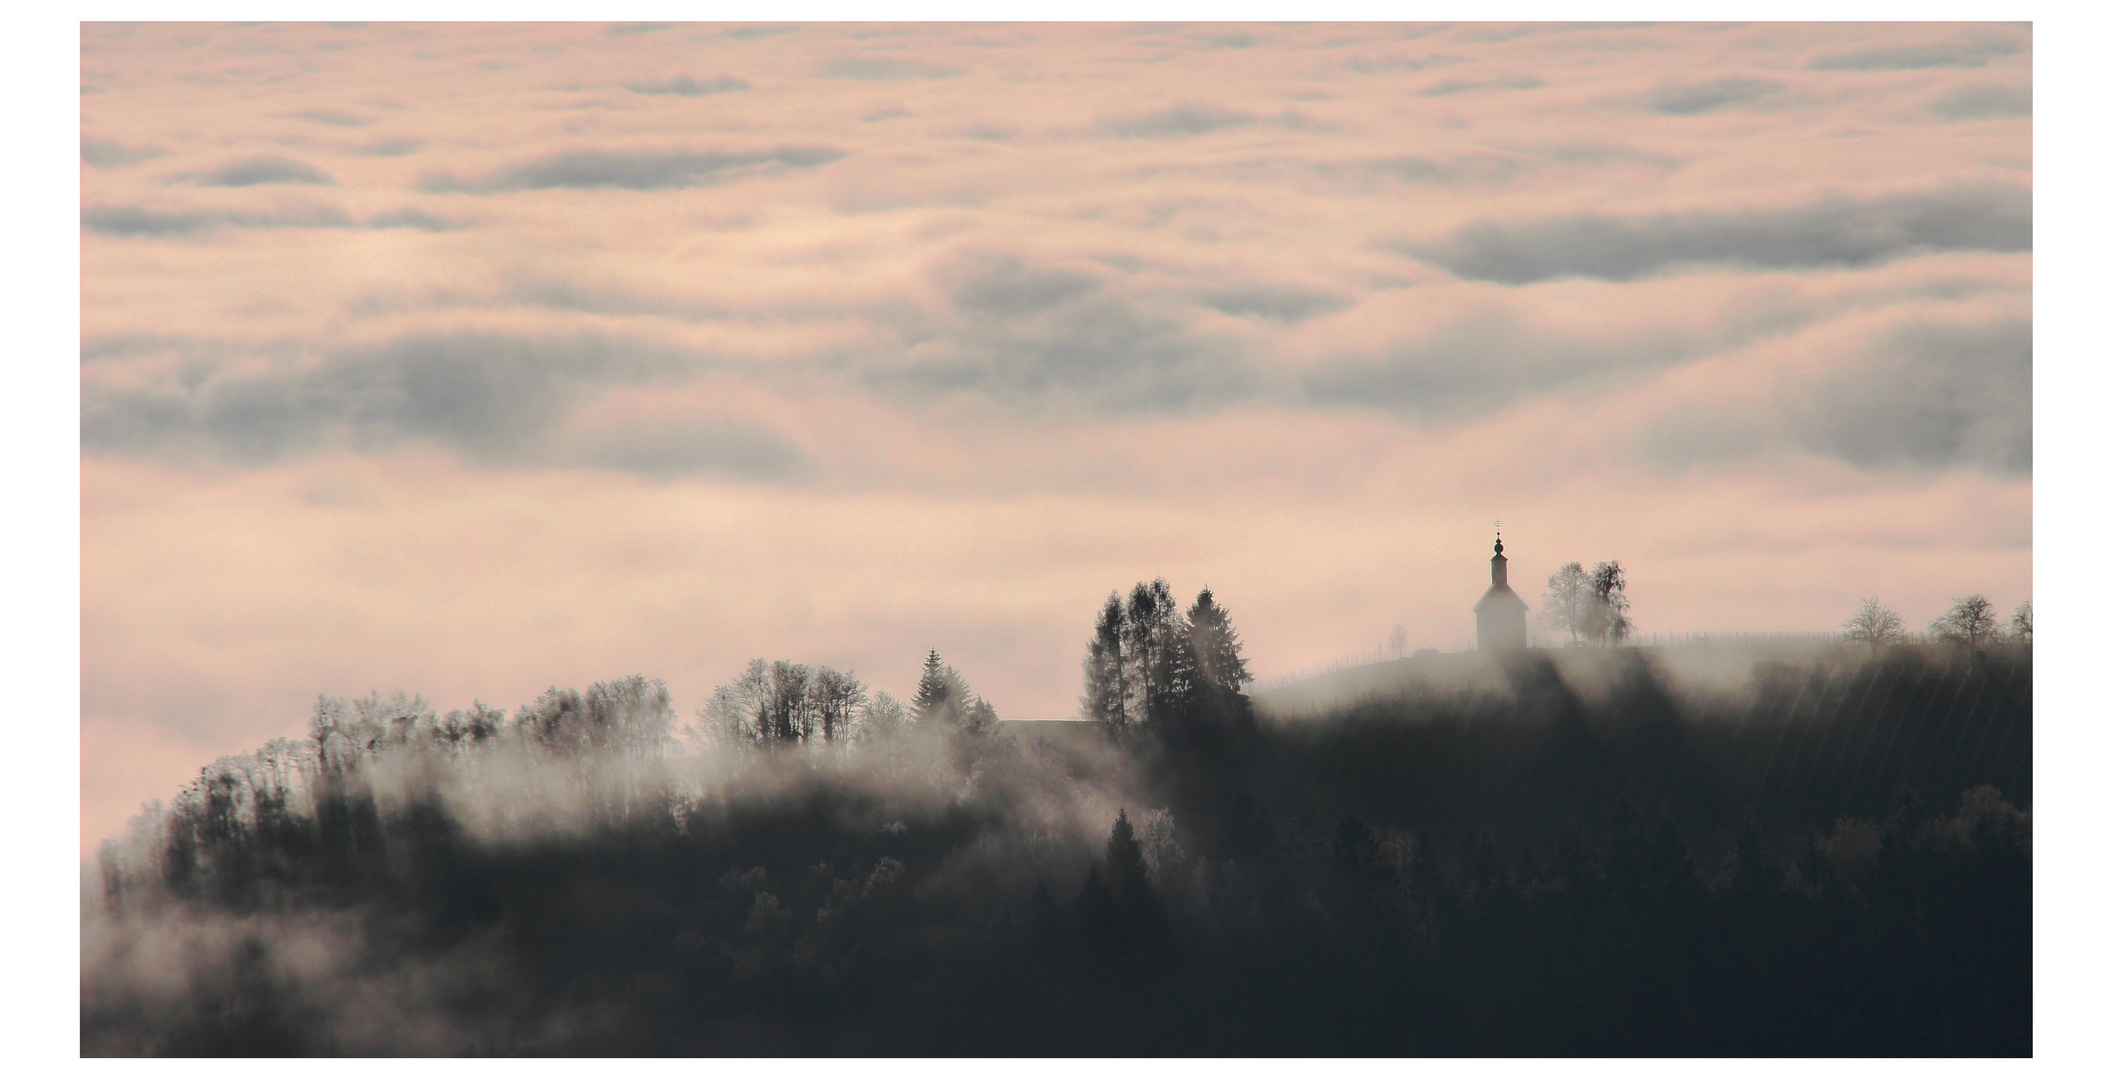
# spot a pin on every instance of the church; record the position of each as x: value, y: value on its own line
x: 1500, y: 616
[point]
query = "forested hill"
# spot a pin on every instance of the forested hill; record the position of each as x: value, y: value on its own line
x: 1590, y: 851
x: 1717, y: 725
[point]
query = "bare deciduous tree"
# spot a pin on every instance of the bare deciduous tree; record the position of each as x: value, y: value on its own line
x: 735, y: 712
x: 783, y: 702
x: 1567, y: 602
x: 838, y: 694
x: 1592, y: 605
x: 2021, y: 622
x: 882, y: 717
x: 1874, y: 624
x: 1971, y: 620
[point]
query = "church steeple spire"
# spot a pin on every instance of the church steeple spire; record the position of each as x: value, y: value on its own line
x: 1497, y: 574
x: 1500, y: 617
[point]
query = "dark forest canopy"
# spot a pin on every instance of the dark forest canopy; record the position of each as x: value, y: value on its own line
x: 1824, y: 850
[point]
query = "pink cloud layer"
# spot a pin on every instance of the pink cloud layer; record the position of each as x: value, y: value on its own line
x: 475, y: 359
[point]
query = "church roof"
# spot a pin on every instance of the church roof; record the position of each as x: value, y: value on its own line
x: 1498, y: 597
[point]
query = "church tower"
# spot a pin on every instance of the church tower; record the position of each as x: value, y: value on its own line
x: 1500, y: 616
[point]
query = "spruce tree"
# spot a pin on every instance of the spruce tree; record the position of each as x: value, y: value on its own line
x: 1126, y: 857
x: 1176, y: 690
x: 944, y: 696
x: 1103, y: 700
x: 1130, y: 882
x: 980, y: 717
x: 1217, y: 646
x: 934, y: 690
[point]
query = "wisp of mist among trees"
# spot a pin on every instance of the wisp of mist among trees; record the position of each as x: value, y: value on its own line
x: 1813, y: 850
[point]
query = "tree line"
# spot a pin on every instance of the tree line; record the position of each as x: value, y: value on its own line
x: 1593, y: 606
x: 1581, y: 859
x: 1971, y: 621
x: 783, y: 703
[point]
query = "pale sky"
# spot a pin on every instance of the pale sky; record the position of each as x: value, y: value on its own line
x: 473, y: 360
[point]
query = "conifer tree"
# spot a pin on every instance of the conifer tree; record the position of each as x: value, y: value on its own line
x: 1126, y: 857
x: 1216, y: 645
x: 1103, y: 700
x: 944, y: 696
x: 980, y: 717
x: 1140, y: 624
x: 1130, y: 881
x: 934, y: 697
x: 1151, y: 670
x: 1149, y: 665
x: 1175, y: 687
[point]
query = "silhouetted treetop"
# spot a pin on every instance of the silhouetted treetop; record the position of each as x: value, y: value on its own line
x: 1149, y: 667
x: 1216, y: 646
x: 1567, y: 603
x: 1106, y: 692
x: 1874, y: 624
x: 1607, y: 612
x: 1970, y: 621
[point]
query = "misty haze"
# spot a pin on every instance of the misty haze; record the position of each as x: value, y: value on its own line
x: 1811, y: 848
x: 954, y: 540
